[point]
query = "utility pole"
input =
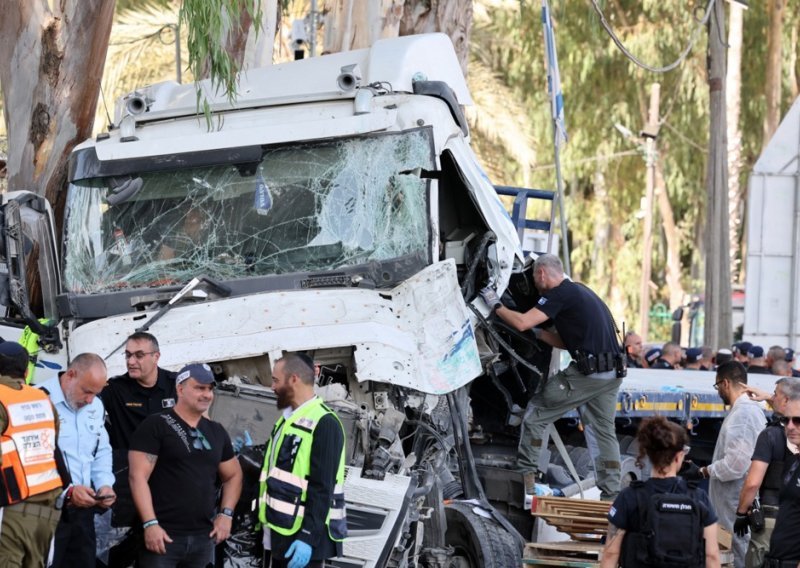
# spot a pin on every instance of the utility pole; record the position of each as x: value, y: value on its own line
x: 649, y: 133
x: 718, y: 317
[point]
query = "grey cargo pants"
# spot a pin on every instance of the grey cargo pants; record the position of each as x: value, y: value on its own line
x: 567, y: 390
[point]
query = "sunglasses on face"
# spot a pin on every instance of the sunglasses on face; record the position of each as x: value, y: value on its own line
x: 795, y: 420
x: 199, y: 441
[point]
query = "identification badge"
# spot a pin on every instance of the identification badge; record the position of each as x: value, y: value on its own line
x: 167, y: 402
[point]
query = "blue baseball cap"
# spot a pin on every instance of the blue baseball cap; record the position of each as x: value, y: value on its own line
x: 741, y: 348
x: 789, y: 354
x: 694, y: 354
x: 200, y: 372
x: 653, y: 354
x: 755, y: 352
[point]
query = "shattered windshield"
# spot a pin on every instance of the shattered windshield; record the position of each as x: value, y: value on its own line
x: 308, y: 207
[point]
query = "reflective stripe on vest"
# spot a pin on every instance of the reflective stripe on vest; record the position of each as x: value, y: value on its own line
x: 28, y: 445
x: 284, y: 476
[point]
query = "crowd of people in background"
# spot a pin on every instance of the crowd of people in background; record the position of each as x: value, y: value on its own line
x: 776, y: 360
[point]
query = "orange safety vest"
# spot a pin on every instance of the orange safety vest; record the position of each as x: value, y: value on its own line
x: 28, y: 445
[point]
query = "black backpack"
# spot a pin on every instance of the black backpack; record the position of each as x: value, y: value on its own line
x: 670, y: 533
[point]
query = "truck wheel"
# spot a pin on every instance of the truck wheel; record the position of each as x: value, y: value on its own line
x: 478, y: 542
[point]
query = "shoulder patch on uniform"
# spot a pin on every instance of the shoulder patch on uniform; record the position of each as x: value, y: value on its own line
x: 612, y: 511
x: 542, y: 301
x: 305, y: 424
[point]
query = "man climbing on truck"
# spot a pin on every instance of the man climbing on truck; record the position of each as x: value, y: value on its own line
x: 584, y: 326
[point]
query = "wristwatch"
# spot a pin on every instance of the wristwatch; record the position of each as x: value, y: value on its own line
x: 227, y: 511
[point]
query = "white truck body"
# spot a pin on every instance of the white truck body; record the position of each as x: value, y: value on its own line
x: 772, y: 289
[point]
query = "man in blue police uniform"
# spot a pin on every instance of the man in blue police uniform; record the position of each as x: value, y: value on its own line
x: 304, y: 463
x: 585, y: 328
x: 83, y: 439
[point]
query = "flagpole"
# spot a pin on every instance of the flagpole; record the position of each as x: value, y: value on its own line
x: 559, y: 131
x: 563, y: 214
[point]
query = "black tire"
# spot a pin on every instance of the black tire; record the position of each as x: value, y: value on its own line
x: 478, y: 542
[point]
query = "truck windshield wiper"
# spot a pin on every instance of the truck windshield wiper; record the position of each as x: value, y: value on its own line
x: 218, y: 287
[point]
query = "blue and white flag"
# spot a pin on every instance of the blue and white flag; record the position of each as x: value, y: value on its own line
x: 553, y: 77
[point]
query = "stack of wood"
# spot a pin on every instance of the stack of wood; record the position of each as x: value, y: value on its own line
x: 586, y: 522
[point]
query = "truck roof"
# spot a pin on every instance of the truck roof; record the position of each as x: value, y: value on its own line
x: 395, y: 63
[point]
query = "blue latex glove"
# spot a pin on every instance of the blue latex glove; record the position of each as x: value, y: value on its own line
x: 300, y: 554
x: 489, y: 295
x: 241, y: 441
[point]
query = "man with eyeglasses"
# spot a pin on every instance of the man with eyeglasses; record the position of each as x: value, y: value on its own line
x: 175, y: 459
x: 735, y: 444
x: 143, y: 390
x: 764, y: 476
x: 784, y: 546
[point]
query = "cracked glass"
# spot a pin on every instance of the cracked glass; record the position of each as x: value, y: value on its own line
x: 305, y: 208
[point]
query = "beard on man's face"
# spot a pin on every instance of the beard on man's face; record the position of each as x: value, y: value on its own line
x: 283, y: 398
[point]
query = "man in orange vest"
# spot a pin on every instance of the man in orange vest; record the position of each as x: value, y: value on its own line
x: 30, y: 484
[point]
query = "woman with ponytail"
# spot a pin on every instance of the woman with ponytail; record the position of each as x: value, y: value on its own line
x: 662, y: 522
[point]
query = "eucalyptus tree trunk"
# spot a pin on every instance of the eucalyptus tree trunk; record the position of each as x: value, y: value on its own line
x: 51, y: 62
x: 776, y: 10
x: 452, y: 17
x: 250, y: 43
x: 673, y: 237
x: 356, y: 24
x: 733, y: 100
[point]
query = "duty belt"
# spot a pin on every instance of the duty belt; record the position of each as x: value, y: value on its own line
x: 35, y: 510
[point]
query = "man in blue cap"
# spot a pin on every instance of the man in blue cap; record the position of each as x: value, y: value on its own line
x: 175, y: 459
x: 756, y: 362
x: 693, y: 359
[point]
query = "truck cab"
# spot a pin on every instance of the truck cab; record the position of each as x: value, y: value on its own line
x: 333, y: 208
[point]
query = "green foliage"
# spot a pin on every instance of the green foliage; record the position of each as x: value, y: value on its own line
x: 207, y: 22
x: 601, y: 88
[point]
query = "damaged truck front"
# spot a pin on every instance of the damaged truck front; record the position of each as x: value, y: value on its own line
x: 335, y: 209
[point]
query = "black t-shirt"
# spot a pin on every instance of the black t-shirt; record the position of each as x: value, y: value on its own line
x: 758, y: 370
x: 128, y: 403
x: 183, y: 482
x: 581, y: 318
x: 624, y: 513
x: 662, y: 364
x: 784, y: 543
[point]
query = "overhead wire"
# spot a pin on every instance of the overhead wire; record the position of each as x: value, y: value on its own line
x: 692, y: 39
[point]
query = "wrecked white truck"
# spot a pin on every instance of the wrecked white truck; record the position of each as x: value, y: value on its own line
x: 335, y: 209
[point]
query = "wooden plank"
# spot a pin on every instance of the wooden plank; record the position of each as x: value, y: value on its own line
x: 566, y: 554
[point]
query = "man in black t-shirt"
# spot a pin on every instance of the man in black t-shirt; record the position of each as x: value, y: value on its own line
x: 130, y: 398
x: 785, y: 545
x: 765, y: 474
x: 175, y: 459
x: 583, y: 326
x: 634, y: 350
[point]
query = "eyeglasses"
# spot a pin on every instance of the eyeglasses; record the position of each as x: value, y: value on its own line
x: 139, y: 355
x: 716, y: 385
x: 784, y: 420
x: 199, y: 441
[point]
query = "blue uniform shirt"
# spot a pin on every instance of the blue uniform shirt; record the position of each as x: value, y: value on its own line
x: 82, y: 438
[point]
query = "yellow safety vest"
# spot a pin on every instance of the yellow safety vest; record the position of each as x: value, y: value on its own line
x: 284, y: 477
